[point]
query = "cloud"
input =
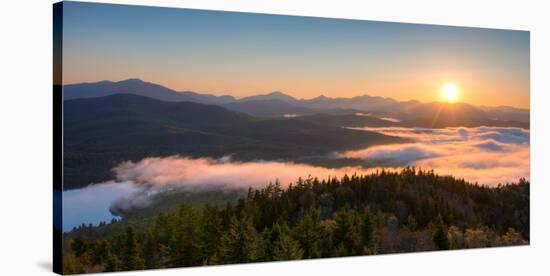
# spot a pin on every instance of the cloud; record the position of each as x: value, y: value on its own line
x: 208, y: 173
x: 487, y: 155
x: 399, y: 153
x: 390, y: 119
x: 155, y: 175
x: 490, y: 145
x: 137, y: 182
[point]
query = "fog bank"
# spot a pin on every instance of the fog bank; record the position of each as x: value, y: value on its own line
x: 487, y: 155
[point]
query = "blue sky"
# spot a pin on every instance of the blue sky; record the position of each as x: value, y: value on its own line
x: 243, y: 54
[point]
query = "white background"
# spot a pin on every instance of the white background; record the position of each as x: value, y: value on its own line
x: 26, y: 131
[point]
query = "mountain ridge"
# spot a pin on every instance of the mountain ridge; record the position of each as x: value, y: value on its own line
x: 280, y: 94
x: 100, y: 133
x: 271, y: 104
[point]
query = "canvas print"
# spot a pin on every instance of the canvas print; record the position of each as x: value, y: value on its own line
x: 193, y: 138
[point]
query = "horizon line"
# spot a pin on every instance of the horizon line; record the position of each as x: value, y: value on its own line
x: 289, y: 94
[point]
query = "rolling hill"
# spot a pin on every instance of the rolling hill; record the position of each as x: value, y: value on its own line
x: 99, y: 133
x: 268, y: 108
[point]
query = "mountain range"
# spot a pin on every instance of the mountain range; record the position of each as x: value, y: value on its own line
x: 138, y: 87
x: 277, y: 104
x: 100, y: 133
x: 106, y: 123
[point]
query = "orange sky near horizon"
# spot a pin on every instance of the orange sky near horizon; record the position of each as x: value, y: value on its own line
x: 243, y: 54
x: 477, y: 92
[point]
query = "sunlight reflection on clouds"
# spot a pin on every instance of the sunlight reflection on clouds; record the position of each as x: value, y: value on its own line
x: 487, y: 155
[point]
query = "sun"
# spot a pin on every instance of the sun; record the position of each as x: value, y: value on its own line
x: 449, y: 92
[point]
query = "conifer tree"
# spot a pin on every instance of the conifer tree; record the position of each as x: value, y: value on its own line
x: 307, y: 232
x: 185, y: 240
x: 112, y: 263
x: 284, y: 246
x: 131, y: 259
x: 210, y: 233
x: 440, y: 237
x: 71, y: 264
x: 368, y: 229
x: 241, y: 243
x: 150, y: 251
x: 348, y: 230
x: 79, y: 247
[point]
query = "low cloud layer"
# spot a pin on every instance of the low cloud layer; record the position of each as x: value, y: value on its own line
x: 137, y: 182
x: 487, y: 155
x: 208, y: 173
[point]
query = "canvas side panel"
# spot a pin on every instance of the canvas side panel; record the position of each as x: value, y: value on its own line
x: 57, y: 138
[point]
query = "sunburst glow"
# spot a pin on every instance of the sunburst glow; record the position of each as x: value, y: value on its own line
x: 449, y: 92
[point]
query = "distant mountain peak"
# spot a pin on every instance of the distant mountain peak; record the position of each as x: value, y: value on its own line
x: 280, y: 94
x: 132, y: 80
x: 367, y: 97
x: 139, y: 87
x: 272, y: 95
x: 321, y: 97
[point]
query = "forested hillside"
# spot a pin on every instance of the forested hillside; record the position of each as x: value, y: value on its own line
x: 100, y: 133
x: 381, y: 213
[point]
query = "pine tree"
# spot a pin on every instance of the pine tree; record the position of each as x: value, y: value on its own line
x: 112, y: 263
x: 307, y: 232
x: 71, y: 264
x: 210, y: 233
x: 98, y: 252
x: 326, y: 241
x: 241, y: 243
x: 368, y: 229
x: 270, y: 236
x: 348, y: 230
x: 185, y: 247
x: 284, y: 246
x: 440, y: 237
x: 79, y: 247
x: 131, y: 259
x: 150, y: 251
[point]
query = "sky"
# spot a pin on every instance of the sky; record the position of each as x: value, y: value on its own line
x: 243, y: 54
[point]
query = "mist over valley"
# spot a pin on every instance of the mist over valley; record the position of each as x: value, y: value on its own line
x: 133, y: 141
